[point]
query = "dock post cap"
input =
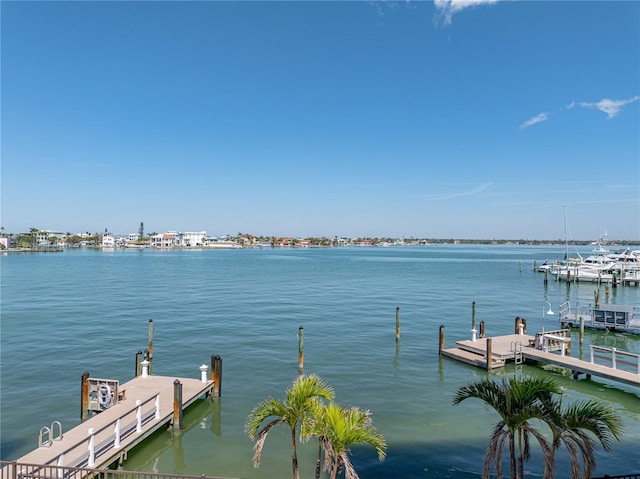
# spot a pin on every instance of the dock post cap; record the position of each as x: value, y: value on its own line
x: 203, y: 373
x: 145, y: 368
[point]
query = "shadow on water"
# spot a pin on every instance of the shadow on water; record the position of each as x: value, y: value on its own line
x: 458, y: 460
x: 204, y: 413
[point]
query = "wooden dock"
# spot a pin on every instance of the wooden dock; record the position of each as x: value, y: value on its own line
x: 520, y: 347
x: 149, y: 404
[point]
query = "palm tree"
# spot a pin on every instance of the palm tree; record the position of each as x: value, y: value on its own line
x: 517, y: 400
x: 296, y: 408
x: 575, y: 427
x: 337, y: 429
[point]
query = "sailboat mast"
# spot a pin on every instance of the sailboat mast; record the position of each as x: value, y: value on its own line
x: 566, y: 241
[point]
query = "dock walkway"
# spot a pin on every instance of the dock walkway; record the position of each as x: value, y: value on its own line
x: 147, y: 407
x: 520, y: 347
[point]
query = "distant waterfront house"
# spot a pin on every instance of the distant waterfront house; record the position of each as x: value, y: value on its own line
x: 108, y: 241
x: 193, y: 238
x: 164, y: 240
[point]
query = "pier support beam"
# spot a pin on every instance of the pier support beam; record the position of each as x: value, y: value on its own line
x: 481, y: 329
x: 177, y: 405
x: 441, y: 346
x: 397, y: 324
x: 489, y: 354
x: 138, y: 369
x: 216, y: 375
x: 150, y: 347
x: 84, y: 397
x: 300, y: 350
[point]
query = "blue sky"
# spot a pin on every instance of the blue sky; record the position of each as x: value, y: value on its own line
x: 309, y: 118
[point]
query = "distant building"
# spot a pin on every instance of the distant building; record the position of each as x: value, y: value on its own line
x: 108, y: 241
x: 193, y: 238
x: 164, y: 240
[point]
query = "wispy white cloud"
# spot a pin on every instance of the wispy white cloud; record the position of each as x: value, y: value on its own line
x: 539, y: 118
x: 449, y: 195
x: 447, y: 8
x: 610, y: 107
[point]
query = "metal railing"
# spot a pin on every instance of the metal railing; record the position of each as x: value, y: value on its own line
x: 99, y: 442
x: 17, y: 470
x: 616, y: 358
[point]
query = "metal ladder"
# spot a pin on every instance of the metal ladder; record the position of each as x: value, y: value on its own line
x: 516, y: 348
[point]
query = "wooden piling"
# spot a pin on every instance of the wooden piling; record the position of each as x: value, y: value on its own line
x: 216, y: 374
x: 84, y: 397
x: 614, y: 280
x: 397, y: 324
x: 150, y: 347
x: 300, y: 350
x: 481, y: 329
x: 441, y: 346
x: 138, y: 369
x: 489, y: 354
x: 473, y: 316
x: 517, y: 325
x: 581, y: 329
x: 177, y: 405
x: 524, y: 325
x: 546, y: 277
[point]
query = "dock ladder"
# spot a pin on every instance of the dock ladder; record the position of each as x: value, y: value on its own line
x: 516, y: 348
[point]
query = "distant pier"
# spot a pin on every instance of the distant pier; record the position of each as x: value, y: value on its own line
x: 548, y: 347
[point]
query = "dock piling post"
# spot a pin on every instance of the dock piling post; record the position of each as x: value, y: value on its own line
x: 489, y: 354
x: 138, y: 361
x: 216, y: 375
x: 473, y: 321
x: 84, y: 397
x: 177, y: 405
x: 150, y: 358
x: 482, y: 329
x: 300, y: 350
x: 92, y: 450
x: 116, y: 432
x: 397, y: 324
x: 441, y: 347
x: 546, y: 277
x: 145, y: 368
x: 203, y: 373
x: 517, y: 325
x: 581, y: 329
x: 524, y: 325
x: 613, y: 358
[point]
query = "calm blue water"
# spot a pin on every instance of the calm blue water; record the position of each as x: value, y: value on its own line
x: 66, y: 313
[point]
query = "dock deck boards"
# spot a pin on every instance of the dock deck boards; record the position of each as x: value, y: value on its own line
x: 139, y: 388
x: 586, y: 367
x: 502, y: 349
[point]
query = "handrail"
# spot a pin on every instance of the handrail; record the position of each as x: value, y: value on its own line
x: 92, y: 434
x: 614, y: 353
x: 16, y: 470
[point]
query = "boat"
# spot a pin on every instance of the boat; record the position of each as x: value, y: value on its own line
x: 609, y: 317
x: 601, y: 266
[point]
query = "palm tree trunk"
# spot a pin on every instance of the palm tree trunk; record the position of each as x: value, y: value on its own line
x: 294, y: 455
x: 334, y: 469
x: 318, y: 462
x: 512, y: 454
x: 520, y: 457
